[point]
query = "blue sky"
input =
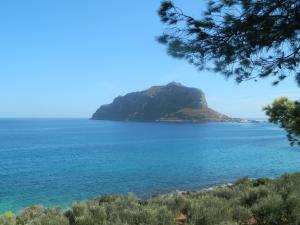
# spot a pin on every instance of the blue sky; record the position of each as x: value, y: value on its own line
x: 66, y: 58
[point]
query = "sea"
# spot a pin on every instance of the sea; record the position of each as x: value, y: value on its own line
x: 57, y: 162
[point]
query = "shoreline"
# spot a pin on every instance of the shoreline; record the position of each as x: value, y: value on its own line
x: 207, y: 188
x: 65, y: 206
x: 241, y: 203
x: 178, y: 121
x: 188, y: 191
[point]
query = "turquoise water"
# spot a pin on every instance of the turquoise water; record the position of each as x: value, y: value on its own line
x: 55, y: 162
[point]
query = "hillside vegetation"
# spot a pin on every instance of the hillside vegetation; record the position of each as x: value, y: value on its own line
x: 262, y: 201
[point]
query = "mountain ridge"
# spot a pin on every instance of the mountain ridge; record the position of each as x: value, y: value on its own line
x: 173, y: 102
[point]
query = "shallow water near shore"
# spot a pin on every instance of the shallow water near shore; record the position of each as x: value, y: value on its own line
x: 54, y: 162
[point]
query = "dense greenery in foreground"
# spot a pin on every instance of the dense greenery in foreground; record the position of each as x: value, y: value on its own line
x: 262, y: 201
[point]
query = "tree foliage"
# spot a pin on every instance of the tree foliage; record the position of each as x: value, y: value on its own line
x: 244, y: 39
x: 286, y: 114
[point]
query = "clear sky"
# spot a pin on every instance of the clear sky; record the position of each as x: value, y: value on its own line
x: 64, y: 58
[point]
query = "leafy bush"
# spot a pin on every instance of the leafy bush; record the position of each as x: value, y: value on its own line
x: 8, y: 218
x: 41, y: 216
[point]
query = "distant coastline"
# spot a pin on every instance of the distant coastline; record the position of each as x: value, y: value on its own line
x: 178, y: 121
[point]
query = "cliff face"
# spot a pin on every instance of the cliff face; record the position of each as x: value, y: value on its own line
x: 172, y: 102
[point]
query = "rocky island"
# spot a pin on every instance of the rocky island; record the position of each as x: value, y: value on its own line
x: 173, y: 102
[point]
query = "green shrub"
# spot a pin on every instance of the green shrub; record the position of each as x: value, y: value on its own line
x: 292, y: 207
x: 270, y: 210
x: 261, y: 181
x: 210, y: 210
x: 8, y: 218
x: 41, y: 216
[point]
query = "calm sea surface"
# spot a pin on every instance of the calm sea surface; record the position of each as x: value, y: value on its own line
x: 55, y: 162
